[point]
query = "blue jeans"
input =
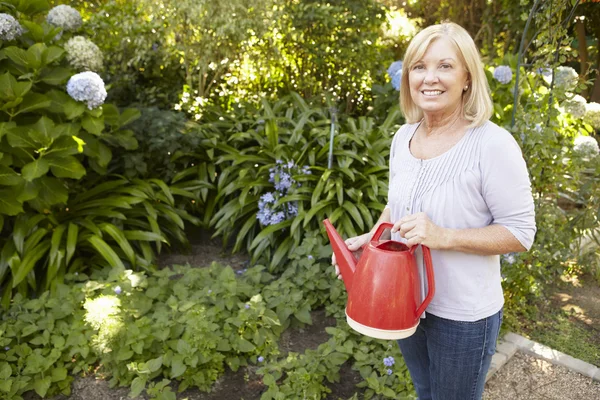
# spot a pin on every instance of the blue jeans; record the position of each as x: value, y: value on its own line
x: 449, y: 360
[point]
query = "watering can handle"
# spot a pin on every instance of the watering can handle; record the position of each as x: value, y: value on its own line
x: 430, y: 281
x: 382, y: 227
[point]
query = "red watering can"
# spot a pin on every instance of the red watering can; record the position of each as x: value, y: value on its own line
x: 383, y: 285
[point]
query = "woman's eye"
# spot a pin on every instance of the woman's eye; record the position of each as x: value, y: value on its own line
x: 445, y: 66
x: 418, y: 67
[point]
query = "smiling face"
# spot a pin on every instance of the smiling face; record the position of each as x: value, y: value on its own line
x: 438, y: 79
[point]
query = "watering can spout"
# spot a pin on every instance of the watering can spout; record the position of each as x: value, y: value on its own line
x: 344, y: 257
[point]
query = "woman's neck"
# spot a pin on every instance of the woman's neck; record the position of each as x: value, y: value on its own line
x: 438, y: 123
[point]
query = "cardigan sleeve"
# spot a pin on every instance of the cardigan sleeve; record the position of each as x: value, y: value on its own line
x: 506, y: 187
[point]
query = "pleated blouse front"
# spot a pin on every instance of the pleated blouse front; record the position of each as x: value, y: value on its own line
x: 481, y: 180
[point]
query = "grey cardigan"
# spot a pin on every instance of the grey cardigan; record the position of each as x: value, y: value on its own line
x: 481, y: 180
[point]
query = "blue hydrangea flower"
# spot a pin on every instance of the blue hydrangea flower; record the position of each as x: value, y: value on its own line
x: 509, y: 258
x: 503, y: 74
x: 389, y: 372
x: 397, y: 80
x: 389, y: 361
x: 545, y: 72
x: 118, y: 290
x: 394, y: 68
x: 10, y: 29
x: 88, y: 87
x: 65, y: 17
x: 261, y: 359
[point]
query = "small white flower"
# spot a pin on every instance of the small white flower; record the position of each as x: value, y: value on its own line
x: 575, y: 106
x: 586, y: 146
x: 10, y: 29
x: 65, y: 17
x: 83, y: 54
x: 592, y: 115
x: 503, y: 74
x: 89, y: 87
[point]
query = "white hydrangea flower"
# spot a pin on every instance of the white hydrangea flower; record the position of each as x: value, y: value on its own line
x: 65, y: 17
x: 89, y: 87
x: 10, y: 29
x: 586, y: 145
x: 83, y: 54
x: 565, y: 78
x: 592, y: 115
x: 575, y: 106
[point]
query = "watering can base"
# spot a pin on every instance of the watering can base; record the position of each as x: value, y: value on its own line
x: 384, y: 334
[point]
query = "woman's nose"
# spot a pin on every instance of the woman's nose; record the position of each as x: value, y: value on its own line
x: 430, y: 76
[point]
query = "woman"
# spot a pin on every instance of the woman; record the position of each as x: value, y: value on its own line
x: 459, y: 185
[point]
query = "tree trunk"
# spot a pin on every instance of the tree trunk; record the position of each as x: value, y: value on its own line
x: 583, y: 53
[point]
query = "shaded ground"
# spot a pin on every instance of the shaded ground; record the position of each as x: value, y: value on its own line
x: 528, y: 378
x: 570, y: 320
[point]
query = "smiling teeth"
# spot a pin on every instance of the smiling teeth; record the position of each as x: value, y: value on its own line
x: 432, y: 92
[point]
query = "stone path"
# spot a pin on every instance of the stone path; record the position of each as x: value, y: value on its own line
x: 525, y: 370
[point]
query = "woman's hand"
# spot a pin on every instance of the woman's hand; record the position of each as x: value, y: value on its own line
x: 354, y: 244
x: 418, y: 229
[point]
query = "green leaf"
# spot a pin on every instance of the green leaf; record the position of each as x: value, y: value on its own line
x: 303, y: 315
x: 245, y: 346
x: 5, y: 370
x: 26, y: 265
x: 32, y: 7
x: 121, y: 240
x: 106, y: 252
x: 35, y: 169
x: 154, y: 364
x: 52, y: 54
x: 129, y: 115
x: 57, y: 76
x: 8, y: 204
x: 266, y: 232
x: 51, y: 191
x: 8, y: 177
x: 63, y: 146
x: 93, y: 125
x: 72, y: 235
x: 59, y: 374
x: 6, y: 127
x: 17, y: 55
x: 41, y: 385
x: 178, y: 368
x: 137, y: 386
x: 35, y: 55
x: 144, y: 235
x: 33, y: 101
x: 66, y: 167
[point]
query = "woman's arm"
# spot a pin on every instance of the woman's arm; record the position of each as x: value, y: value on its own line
x: 490, y: 240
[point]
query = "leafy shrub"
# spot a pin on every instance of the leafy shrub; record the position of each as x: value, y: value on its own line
x: 252, y: 144
x: 118, y: 223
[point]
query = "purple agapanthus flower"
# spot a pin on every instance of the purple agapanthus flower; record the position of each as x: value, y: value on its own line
x: 389, y: 372
x: 247, y: 306
x: 389, y: 361
x: 277, y: 218
x: 310, y: 257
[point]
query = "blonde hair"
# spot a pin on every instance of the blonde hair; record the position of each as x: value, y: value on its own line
x: 476, y: 101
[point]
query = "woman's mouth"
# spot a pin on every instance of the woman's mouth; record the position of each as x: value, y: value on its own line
x: 431, y: 93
